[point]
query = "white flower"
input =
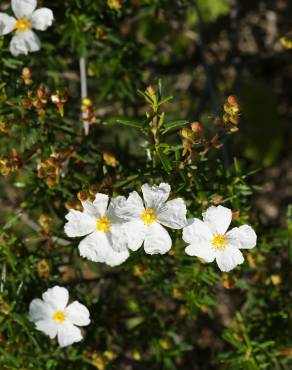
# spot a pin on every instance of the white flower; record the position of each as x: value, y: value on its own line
x: 106, y: 241
x: 53, y: 317
x: 209, y: 239
x: 27, y: 18
x: 143, y: 221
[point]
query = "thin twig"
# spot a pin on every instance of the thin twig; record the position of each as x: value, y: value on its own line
x: 83, y: 83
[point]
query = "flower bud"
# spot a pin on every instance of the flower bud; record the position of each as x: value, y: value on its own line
x: 51, y: 181
x: 150, y: 91
x: 44, y: 221
x: 26, y: 103
x: 42, y: 91
x: 114, y: 4
x: 110, y: 160
x: 26, y: 76
x: 196, y: 127
x: 82, y: 196
x: 43, y: 269
x: 232, y: 100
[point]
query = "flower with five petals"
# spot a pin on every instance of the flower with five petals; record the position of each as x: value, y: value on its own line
x: 145, y: 220
x: 105, y: 240
x: 27, y: 18
x: 53, y: 317
x: 209, y: 239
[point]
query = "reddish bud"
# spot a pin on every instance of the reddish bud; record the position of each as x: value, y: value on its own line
x: 196, y: 127
x: 26, y: 103
x: 232, y: 100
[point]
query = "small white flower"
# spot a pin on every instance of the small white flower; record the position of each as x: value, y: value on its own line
x: 27, y: 18
x: 53, y: 317
x: 144, y: 220
x: 106, y: 241
x: 209, y: 239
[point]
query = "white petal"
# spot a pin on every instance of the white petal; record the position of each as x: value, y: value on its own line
x: 89, y: 209
x: 196, y: 229
x: 111, y: 211
x: 23, y: 8
x: 57, y: 297
x: 39, y: 310
x: 7, y: 24
x: 100, y: 203
x: 136, y: 233
x: 117, y: 237
x: 114, y: 258
x: 24, y: 42
x: 155, y: 195
x: 131, y: 208
x: 41, y: 19
x: 79, y: 224
x: 95, y: 247
x: 202, y: 250
x: 229, y: 258
x: 242, y: 237
x: 48, y: 327
x: 68, y: 334
x: 218, y: 219
x: 77, y: 314
x: 157, y: 239
x: 173, y: 214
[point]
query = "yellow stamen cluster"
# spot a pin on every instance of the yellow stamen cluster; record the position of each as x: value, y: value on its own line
x: 148, y: 216
x: 103, y: 224
x: 22, y: 25
x: 219, y: 242
x: 59, y: 317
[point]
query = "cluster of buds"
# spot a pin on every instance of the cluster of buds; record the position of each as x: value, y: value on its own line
x: 114, y: 4
x: 110, y: 160
x: 87, y: 109
x: 39, y: 98
x: 191, y: 137
x: 50, y: 169
x: 231, y: 114
x: 10, y: 164
x: 59, y: 98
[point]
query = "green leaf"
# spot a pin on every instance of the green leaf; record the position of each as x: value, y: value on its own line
x: 165, y: 100
x: 166, y: 164
x: 174, y: 124
x: 134, y: 321
x: 132, y: 123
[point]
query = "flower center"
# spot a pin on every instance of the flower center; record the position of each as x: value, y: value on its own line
x: 22, y: 24
x: 148, y: 216
x: 219, y: 241
x: 59, y: 317
x: 103, y: 224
